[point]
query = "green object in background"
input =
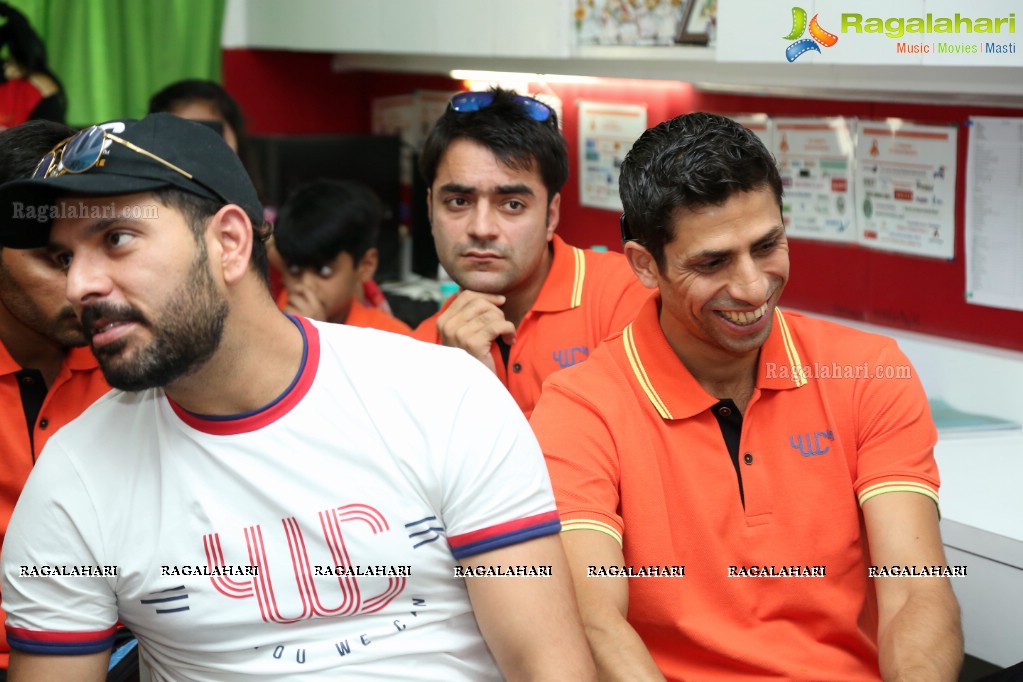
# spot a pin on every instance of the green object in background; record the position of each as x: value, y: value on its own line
x: 112, y: 55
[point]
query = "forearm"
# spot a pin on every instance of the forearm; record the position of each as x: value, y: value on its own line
x: 923, y: 641
x: 618, y: 651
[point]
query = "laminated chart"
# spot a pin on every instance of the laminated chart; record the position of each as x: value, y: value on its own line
x: 815, y: 159
x: 606, y: 134
x: 905, y: 185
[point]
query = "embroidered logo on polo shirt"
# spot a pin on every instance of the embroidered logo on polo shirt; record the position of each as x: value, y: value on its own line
x: 810, y: 445
x: 566, y: 357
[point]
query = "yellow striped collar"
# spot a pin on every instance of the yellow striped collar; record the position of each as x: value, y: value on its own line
x: 671, y: 388
x: 564, y: 286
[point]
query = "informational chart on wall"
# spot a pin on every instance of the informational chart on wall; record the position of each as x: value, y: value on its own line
x: 606, y: 134
x: 905, y: 187
x: 815, y: 159
x: 994, y: 206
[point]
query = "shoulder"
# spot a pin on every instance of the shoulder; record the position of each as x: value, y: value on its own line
x: 373, y: 318
x: 834, y: 339
x: 395, y: 358
x: 115, y: 418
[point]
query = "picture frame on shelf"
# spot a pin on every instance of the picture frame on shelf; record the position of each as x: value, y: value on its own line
x: 699, y: 20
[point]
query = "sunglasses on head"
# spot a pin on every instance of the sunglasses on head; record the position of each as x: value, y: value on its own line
x: 84, y: 150
x: 465, y: 102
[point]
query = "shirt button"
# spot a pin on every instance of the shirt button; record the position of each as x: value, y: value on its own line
x: 517, y: 367
x: 28, y: 381
x: 724, y: 411
x: 44, y: 422
x: 748, y: 458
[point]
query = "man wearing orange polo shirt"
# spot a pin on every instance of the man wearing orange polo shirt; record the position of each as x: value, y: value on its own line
x: 47, y: 376
x: 530, y: 304
x: 727, y: 473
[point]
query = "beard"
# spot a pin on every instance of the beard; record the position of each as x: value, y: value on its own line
x: 62, y: 328
x: 186, y: 335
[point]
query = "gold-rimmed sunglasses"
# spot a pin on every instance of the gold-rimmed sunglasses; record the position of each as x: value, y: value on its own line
x: 84, y: 150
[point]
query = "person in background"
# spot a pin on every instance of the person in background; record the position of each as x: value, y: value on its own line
x: 278, y: 498
x: 530, y: 304
x: 703, y: 437
x: 209, y: 102
x: 206, y: 101
x: 28, y: 88
x: 47, y: 375
x: 326, y: 235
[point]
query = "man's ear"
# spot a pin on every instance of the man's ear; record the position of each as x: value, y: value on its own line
x: 367, y: 265
x: 643, y: 264
x: 553, y: 215
x: 229, y: 234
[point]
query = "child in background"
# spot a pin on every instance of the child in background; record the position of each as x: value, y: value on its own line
x: 326, y: 234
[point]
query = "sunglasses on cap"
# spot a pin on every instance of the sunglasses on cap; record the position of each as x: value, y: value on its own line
x: 83, y: 151
x: 466, y: 102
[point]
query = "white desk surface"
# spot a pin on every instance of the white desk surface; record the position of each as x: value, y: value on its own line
x: 981, y: 480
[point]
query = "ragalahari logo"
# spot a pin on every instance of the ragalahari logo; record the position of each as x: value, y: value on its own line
x: 817, y: 36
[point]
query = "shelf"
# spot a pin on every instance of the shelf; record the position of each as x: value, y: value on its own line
x: 981, y: 86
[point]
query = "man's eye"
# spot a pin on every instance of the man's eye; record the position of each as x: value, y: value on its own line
x: 119, y: 238
x: 710, y: 266
x: 62, y: 260
x: 325, y: 271
x: 515, y: 205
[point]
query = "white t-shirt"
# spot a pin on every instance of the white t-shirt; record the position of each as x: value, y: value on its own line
x: 387, y: 457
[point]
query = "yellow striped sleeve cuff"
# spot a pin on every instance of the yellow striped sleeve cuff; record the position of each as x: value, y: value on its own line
x: 897, y: 487
x: 588, y: 524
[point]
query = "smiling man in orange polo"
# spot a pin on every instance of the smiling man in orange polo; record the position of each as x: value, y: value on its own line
x: 530, y: 304
x: 766, y: 453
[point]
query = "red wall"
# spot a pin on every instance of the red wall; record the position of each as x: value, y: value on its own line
x: 289, y: 92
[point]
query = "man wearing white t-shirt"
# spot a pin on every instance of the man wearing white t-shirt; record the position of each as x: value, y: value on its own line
x: 267, y: 496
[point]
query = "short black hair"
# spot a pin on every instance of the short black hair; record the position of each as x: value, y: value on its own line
x: 692, y: 161
x: 22, y: 146
x: 195, y: 90
x: 325, y: 218
x: 506, y: 129
x: 198, y: 210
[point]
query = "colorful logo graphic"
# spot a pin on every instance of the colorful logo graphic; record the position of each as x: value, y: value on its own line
x: 817, y: 36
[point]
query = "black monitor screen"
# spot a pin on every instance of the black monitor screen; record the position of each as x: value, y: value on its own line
x: 283, y: 162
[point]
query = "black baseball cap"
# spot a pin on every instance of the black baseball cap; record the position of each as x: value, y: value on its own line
x: 28, y: 206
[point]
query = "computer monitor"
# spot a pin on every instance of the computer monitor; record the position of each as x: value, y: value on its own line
x: 280, y: 163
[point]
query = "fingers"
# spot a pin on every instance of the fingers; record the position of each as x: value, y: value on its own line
x: 301, y: 302
x: 472, y: 322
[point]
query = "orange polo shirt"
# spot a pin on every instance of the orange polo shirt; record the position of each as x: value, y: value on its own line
x: 78, y: 384
x: 587, y: 296
x: 635, y: 451
x: 361, y: 316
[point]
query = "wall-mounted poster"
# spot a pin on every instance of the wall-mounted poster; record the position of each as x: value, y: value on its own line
x: 905, y: 187
x: 994, y: 204
x: 815, y: 159
x: 606, y: 134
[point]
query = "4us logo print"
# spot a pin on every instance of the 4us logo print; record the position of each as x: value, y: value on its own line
x: 818, y: 36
